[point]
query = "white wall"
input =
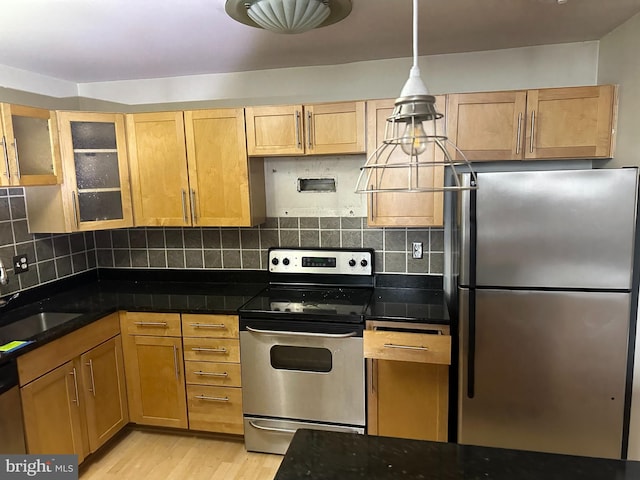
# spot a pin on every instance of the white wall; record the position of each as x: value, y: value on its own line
x: 619, y: 62
x: 531, y: 67
x: 32, y: 82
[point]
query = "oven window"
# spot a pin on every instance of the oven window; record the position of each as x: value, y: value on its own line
x: 306, y: 359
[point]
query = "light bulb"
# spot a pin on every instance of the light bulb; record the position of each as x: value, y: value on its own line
x: 414, y: 140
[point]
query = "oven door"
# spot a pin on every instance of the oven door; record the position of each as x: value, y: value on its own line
x: 303, y: 375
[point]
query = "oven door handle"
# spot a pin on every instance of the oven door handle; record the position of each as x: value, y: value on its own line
x: 302, y: 334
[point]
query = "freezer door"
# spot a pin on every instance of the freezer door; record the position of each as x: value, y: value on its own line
x: 543, y: 371
x: 565, y: 229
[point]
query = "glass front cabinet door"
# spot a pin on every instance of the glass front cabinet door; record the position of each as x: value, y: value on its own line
x: 29, y: 145
x: 95, y: 167
x: 95, y: 193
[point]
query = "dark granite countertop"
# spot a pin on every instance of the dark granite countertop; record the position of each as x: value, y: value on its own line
x: 95, y: 297
x: 99, y: 293
x: 407, y: 298
x: 321, y: 455
x: 408, y: 305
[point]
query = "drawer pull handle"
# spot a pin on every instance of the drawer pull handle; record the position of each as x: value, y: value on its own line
x: 405, y: 347
x: 151, y: 324
x: 208, y: 325
x: 211, y: 374
x: 212, y: 350
x: 212, y: 399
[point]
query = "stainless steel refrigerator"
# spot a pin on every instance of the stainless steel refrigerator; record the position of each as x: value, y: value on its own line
x: 540, y: 265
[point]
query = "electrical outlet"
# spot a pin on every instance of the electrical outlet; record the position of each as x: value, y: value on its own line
x: 416, y: 250
x: 20, y: 264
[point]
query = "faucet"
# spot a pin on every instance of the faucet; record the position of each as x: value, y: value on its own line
x: 4, y: 278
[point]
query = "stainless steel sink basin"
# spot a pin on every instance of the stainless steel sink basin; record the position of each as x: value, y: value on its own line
x: 32, y: 325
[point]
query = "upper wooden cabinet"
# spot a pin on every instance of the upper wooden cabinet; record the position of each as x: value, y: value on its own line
x: 31, y: 154
x: 95, y: 194
x: 391, y: 209
x: 191, y: 169
x: 318, y: 129
x: 552, y: 123
x: 576, y: 122
x: 487, y: 126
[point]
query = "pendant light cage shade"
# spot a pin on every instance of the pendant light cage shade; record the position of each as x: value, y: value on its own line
x: 414, y: 153
x: 288, y: 16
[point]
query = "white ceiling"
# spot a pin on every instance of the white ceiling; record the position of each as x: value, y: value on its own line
x: 102, y: 40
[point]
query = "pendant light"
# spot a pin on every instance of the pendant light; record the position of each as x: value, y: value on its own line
x: 288, y: 16
x: 415, y: 150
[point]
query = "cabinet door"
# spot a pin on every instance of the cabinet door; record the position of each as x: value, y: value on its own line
x: 402, y: 209
x: 219, y: 175
x: 105, y: 391
x: 576, y: 122
x: 275, y: 130
x: 409, y: 400
x: 487, y: 126
x: 30, y: 146
x: 52, y: 406
x: 97, y: 192
x: 158, y: 162
x: 335, y: 128
x: 155, y: 381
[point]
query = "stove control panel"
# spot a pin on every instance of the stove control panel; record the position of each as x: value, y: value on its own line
x: 319, y: 261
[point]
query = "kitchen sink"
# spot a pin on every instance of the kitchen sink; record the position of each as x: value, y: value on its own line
x: 32, y: 325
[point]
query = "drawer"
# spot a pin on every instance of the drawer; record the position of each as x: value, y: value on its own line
x: 211, y: 349
x: 156, y: 324
x: 212, y: 373
x: 407, y: 347
x: 217, y: 326
x: 215, y: 409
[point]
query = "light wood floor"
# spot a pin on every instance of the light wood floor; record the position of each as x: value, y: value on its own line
x: 139, y: 454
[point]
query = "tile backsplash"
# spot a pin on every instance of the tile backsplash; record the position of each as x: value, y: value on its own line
x: 50, y: 256
x: 55, y: 256
x: 246, y: 248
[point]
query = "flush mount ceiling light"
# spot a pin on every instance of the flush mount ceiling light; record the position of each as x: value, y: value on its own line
x: 288, y: 16
x: 415, y: 151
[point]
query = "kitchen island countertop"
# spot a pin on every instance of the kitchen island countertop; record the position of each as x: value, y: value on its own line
x: 321, y: 455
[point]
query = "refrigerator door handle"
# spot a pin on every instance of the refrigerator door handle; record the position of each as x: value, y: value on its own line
x: 467, y: 339
x: 468, y: 232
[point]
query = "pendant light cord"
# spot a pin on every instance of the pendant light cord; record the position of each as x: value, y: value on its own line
x: 415, y: 33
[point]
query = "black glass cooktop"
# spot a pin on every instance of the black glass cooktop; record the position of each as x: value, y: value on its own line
x: 310, y: 303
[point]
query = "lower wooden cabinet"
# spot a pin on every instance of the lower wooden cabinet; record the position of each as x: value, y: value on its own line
x: 212, y: 365
x: 183, y: 370
x: 104, y: 390
x: 215, y: 409
x: 78, y: 405
x: 408, y: 384
x: 154, y: 369
x: 60, y: 433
